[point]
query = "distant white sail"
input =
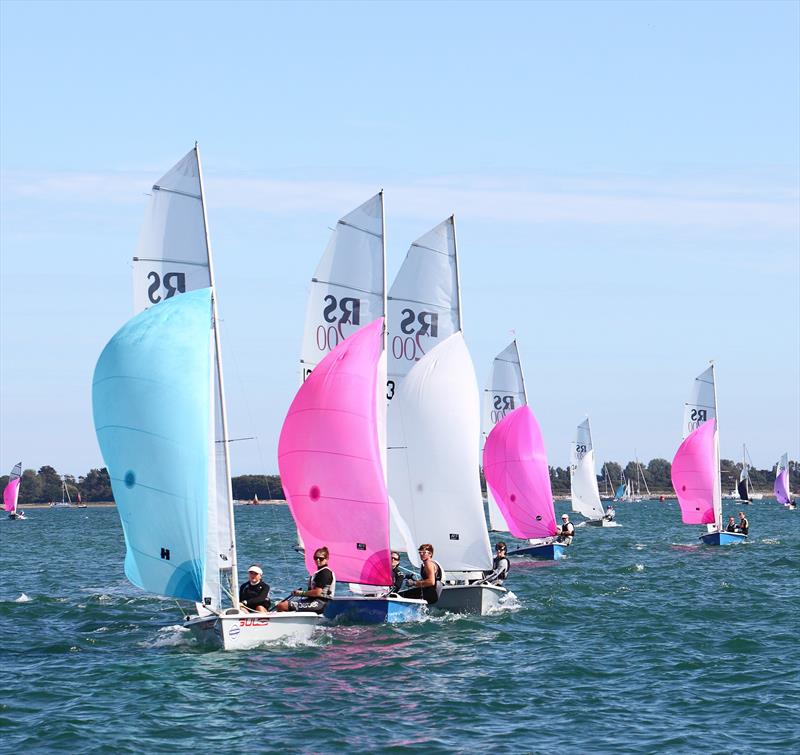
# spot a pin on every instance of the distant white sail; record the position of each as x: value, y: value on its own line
x: 583, y: 478
x: 504, y: 392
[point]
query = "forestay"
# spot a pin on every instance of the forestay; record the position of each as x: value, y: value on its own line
x: 11, y: 490
x: 173, y: 257
x: 504, y: 393
x: 584, y: 492
x: 515, y: 466
x: 330, y: 461
x: 152, y: 403
x: 441, y: 501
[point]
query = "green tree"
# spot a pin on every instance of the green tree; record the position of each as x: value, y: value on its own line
x: 51, y: 484
x: 30, y: 487
x: 658, y: 474
x: 96, y: 486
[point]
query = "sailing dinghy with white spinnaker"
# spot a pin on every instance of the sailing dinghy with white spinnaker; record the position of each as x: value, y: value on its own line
x: 434, y: 424
x: 584, y: 492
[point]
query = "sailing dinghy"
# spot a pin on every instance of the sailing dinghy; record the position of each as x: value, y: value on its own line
x: 695, y: 468
x: 781, y: 487
x: 434, y: 424
x: 11, y: 493
x: 344, y: 347
x: 584, y: 492
x: 164, y: 502
x: 745, y: 486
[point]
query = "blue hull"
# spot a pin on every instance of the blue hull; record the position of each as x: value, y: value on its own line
x: 366, y: 610
x: 723, y: 538
x: 548, y: 552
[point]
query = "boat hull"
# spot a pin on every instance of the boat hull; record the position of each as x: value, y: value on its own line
x: 475, y: 598
x: 238, y: 631
x: 601, y: 523
x: 723, y: 538
x: 364, y: 609
x: 546, y: 551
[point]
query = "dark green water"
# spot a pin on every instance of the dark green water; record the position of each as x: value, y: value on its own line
x: 640, y: 642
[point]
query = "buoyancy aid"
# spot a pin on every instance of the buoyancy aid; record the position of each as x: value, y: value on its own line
x: 328, y: 591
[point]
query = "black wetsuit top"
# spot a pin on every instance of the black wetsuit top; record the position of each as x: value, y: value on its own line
x: 324, y: 579
x: 430, y: 594
x: 398, y: 577
x: 254, y: 595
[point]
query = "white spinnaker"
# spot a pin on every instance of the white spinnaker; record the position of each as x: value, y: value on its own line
x: 701, y: 407
x: 173, y: 257
x: 348, y: 287
x: 584, y: 492
x: 441, y: 501
x: 424, y: 308
x: 504, y: 393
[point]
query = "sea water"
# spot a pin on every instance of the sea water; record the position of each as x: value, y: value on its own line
x: 641, y: 641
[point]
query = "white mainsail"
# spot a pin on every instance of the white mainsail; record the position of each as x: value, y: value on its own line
x: 584, y: 492
x: 504, y: 393
x: 173, y: 257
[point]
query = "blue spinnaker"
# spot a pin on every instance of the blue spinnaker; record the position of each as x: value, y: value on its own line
x: 151, y: 397
x: 620, y: 491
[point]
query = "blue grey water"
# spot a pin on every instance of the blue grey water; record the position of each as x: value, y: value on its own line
x: 641, y: 641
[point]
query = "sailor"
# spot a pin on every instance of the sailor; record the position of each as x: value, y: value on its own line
x: 744, y: 525
x: 321, y: 587
x: 731, y: 525
x: 254, y: 594
x: 500, y: 566
x: 431, y: 582
x: 610, y: 513
x: 398, y: 575
x: 566, y: 532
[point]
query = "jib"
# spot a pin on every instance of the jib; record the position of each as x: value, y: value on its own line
x: 428, y: 323
x: 349, y: 310
x: 174, y: 283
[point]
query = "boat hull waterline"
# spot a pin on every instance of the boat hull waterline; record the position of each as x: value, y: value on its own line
x: 723, y: 538
x: 546, y: 552
x: 364, y: 609
x: 479, y: 599
x: 239, y: 631
x: 601, y: 523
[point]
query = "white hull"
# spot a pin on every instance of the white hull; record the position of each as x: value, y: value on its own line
x: 478, y: 599
x: 240, y: 631
x: 601, y: 523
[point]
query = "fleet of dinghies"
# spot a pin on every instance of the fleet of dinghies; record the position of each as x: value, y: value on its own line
x: 378, y: 451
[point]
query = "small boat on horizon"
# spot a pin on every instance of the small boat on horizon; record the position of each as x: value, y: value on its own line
x: 11, y: 493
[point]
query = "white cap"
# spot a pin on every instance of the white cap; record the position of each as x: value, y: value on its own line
x: 565, y: 516
x: 256, y: 569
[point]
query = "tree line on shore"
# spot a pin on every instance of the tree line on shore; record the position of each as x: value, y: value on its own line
x: 47, y: 485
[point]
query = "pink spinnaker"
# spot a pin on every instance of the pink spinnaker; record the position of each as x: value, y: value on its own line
x: 11, y: 494
x: 515, y: 466
x: 781, y: 488
x: 330, y: 462
x: 694, y: 476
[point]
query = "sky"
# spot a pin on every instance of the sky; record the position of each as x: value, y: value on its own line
x: 625, y: 179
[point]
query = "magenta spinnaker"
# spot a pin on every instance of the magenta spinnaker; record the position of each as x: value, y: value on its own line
x: 782, y: 487
x: 694, y: 475
x: 330, y: 462
x: 10, y: 495
x: 515, y: 466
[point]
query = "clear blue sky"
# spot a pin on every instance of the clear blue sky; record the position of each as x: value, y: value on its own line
x: 625, y: 177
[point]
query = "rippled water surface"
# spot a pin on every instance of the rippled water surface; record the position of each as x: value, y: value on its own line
x: 641, y: 641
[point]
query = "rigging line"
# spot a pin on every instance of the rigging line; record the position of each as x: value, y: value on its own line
x: 156, y: 187
x: 424, y: 303
x: 172, y: 262
x: 431, y: 249
x: 348, y: 288
x: 234, y: 440
x: 357, y: 228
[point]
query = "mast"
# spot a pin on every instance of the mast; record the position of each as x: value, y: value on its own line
x: 223, y: 412
x: 516, y: 348
x: 458, y: 272
x: 718, y: 481
x: 383, y: 373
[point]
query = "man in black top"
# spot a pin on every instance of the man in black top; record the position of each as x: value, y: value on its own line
x: 254, y: 594
x: 321, y: 587
x: 731, y: 525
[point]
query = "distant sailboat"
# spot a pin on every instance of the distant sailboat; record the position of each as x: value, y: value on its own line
x: 695, y: 468
x: 584, y: 492
x: 186, y: 499
x: 745, y: 487
x: 781, y: 488
x: 11, y: 493
x: 434, y: 423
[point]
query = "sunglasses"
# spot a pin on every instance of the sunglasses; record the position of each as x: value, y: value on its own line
x: 320, y: 558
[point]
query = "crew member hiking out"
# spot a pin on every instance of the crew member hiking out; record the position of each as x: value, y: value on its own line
x: 430, y: 584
